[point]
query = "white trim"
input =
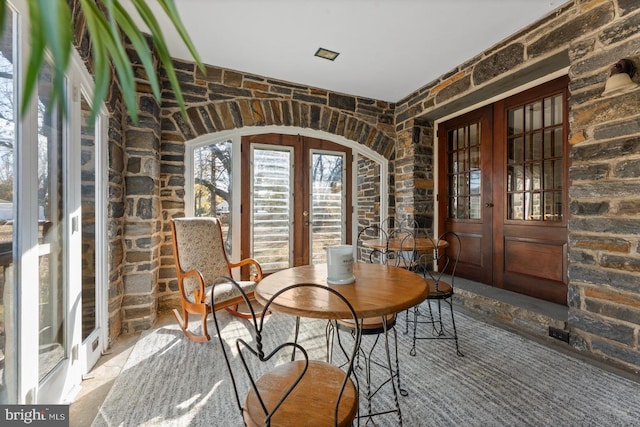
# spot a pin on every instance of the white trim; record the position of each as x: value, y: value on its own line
x: 84, y: 87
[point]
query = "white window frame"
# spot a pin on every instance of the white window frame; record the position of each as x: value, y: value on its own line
x: 235, y: 136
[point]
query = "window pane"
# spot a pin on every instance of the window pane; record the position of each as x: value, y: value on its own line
x: 8, y: 218
x: 328, y: 199
x: 558, y: 111
x: 464, y: 171
x: 271, y: 208
x: 453, y: 207
x: 536, y: 176
x: 536, y: 207
x: 212, y: 185
x: 528, y: 148
x: 473, y: 134
x: 88, y: 201
x: 474, y: 162
x: 557, y: 175
x: 518, y: 149
x: 548, y: 175
x: 534, y: 161
x: 51, y: 230
x: 536, y: 146
x: 475, y: 182
x: 475, y: 207
x: 534, y: 116
x: 451, y: 140
x: 557, y: 206
x: 557, y: 142
x: 515, y: 202
x: 515, y: 121
x: 518, y: 178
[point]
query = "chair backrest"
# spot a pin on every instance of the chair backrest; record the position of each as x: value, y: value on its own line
x: 254, y: 354
x: 444, y: 258
x: 372, y: 255
x: 198, y: 244
x: 411, y: 224
x: 403, y: 251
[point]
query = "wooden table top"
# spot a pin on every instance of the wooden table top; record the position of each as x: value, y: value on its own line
x: 404, y: 244
x: 377, y: 291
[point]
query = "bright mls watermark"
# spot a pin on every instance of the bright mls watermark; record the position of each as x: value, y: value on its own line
x: 34, y: 415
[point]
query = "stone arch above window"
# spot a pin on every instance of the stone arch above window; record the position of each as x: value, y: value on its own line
x: 221, y: 116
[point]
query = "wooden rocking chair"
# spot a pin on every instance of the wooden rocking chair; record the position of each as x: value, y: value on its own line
x: 200, y: 257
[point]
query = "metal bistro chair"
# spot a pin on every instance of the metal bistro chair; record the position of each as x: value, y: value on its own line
x: 288, y: 392
x: 401, y: 248
x: 441, y: 289
x: 200, y: 257
x: 373, y: 254
x: 375, y: 327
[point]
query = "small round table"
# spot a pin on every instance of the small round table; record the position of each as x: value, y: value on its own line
x: 377, y: 291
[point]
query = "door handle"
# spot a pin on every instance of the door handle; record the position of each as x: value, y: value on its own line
x: 305, y: 214
x: 488, y: 205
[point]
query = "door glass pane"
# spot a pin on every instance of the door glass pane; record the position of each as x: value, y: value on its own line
x: 88, y: 202
x: 539, y: 169
x: 8, y: 219
x: 515, y: 118
x: 212, y: 185
x: 464, y: 174
x: 271, y: 210
x: 328, y: 200
x: 51, y: 230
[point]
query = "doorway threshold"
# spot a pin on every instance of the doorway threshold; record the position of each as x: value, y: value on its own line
x: 518, y: 311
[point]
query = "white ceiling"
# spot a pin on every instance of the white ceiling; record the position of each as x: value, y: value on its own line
x: 388, y: 48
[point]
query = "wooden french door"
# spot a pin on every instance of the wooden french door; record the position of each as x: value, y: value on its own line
x: 503, y: 188
x: 465, y: 196
x: 296, y: 199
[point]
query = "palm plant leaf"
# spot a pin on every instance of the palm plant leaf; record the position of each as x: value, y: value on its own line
x: 107, y: 20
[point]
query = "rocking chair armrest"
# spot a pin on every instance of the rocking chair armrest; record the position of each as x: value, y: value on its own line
x: 199, y: 293
x: 249, y: 261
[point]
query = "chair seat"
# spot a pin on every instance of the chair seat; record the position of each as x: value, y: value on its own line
x: 370, y: 325
x: 309, y: 403
x: 441, y: 291
x: 225, y: 292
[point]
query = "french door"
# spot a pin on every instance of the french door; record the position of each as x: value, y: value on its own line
x: 465, y: 196
x: 296, y: 199
x: 503, y: 188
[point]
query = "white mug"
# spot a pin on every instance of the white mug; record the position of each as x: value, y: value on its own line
x: 340, y: 264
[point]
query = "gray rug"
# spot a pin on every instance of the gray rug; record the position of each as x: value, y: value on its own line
x: 503, y: 380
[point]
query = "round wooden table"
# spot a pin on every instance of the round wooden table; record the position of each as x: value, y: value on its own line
x: 377, y: 291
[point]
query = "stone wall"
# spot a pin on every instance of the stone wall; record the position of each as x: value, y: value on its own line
x: 587, y: 37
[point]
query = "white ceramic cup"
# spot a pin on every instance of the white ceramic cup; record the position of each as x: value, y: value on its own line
x: 340, y: 264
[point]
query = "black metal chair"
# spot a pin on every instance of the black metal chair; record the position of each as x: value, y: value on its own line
x: 373, y: 254
x: 439, y: 270
x: 375, y: 327
x: 403, y: 251
x: 283, y: 385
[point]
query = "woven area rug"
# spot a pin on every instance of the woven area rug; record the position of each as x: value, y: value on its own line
x: 503, y: 380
